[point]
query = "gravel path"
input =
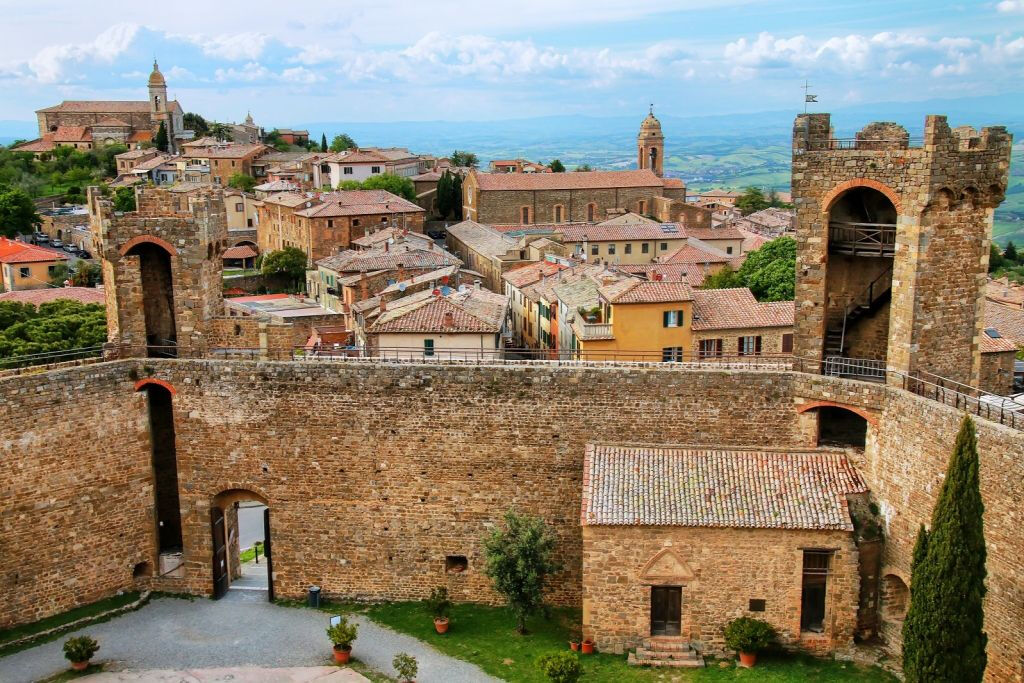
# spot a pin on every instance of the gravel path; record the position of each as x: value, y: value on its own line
x: 169, y: 633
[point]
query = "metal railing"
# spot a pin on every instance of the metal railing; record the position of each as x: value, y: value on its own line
x: 856, y: 368
x: 869, y: 297
x: 864, y: 144
x: 50, y: 357
x: 862, y: 238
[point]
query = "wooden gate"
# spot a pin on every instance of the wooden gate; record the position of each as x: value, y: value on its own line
x: 220, y: 553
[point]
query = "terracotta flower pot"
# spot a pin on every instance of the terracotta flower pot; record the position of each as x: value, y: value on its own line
x: 588, y: 647
x: 80, y: 666
x: 748, y: 659
x: 441, y: 624
x: 342, y: 653
x: 574, y: 645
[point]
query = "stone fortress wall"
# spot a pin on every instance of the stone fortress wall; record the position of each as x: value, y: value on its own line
x: 376, y: 472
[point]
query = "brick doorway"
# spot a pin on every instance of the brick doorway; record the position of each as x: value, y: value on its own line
x: 666, y: 610
x: 253, y: 580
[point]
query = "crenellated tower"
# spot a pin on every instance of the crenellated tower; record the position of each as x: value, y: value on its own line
x: 161, y: 269
x: 893, y: 243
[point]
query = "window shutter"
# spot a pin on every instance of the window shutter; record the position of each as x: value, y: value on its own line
x: 718, y: 347
x: 680, y: 319
x: 739, y: 346
x: 757, y: 344
x: 787, y: 343
x: 664, y: 319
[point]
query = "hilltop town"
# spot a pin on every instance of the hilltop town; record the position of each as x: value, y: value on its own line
x: 373, y: 366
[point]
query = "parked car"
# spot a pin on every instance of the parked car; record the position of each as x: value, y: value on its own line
x: 71, y: 249
x: 437, y: 233
x: 40, y: 239
x: 57, y: 244
x: 82, y: 253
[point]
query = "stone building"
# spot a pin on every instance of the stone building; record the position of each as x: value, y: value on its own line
x: 884, y: 226
x: 88, y: 123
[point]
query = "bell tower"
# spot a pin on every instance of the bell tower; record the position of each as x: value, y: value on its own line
x: 158, y: 106
x: 650, y: 145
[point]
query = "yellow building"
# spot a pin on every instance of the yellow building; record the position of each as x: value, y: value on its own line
x: 26, y: 266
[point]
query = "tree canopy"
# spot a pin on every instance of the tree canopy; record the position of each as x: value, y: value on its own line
x: 557, y: 166
x: 943, y: 633
x: 289, y: 262
x: 769, y: 272
x: 449, y: 196
x: 519, y: 558
x: 124, y: 199
x: 342, y: 142
x: 197, y: 123
x: 396, y: 185
x: 161, y: 141
x: 242, y: 181
x: 584, y: 167
x: 17, y: 212
x: 462, y: 158
x: 54, y: 326
x: 753, y: 199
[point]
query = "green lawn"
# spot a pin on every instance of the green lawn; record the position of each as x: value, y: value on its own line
x: 96, y: 608
x: 486, y: 636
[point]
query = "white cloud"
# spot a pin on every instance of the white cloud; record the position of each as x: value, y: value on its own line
x: 48, y: 64
x: 1011, y: 6
x: 178, y: 73
x: 233, y: 47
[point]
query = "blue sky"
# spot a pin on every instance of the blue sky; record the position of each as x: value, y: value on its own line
x: 400, y: 60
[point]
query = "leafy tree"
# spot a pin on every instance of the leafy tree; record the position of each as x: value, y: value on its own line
x: 943, y: 634
x: 323, y: 142
x: 584, y: 167
x: 242, y: 181
x: 220, y: 131
x: 124, y: 199
x: 87, y: 274
x: 161, y: 138
x: 519, y: 557
x: 556, y: 166
x: 342, y: 142
x: 55, y: 326
x: 289, y: 262
x: 751, y: 200
x: 60, y: 273
x: 1010, y: 254
x: 282, y: 146
x: 726, y: 278
x: 461, y: 158
x: 396, y: 185
x: 350, y: 185
x: 770, y: 272
x: 995, y: 258
x: 197, y: 123
x: 17, y: 212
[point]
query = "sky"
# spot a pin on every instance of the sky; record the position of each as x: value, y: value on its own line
x: 416, y: 60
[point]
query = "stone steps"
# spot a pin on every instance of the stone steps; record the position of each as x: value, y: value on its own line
x: 665, y: 652
x: 632, y: 660
x: 644, y: 653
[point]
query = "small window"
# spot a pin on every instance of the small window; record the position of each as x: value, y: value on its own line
x: 591, y: 212
x: 749, y: 346
x: 23, y: 272
x: 611, y: 250
x: 629, y: 248
x: 248, y: 222
x: 142, y: 570
x: 595, y: 250
x: 525, y: 214
x: 728, y: 250
x: 664, y: 246
x: 428, y: 347
x: 672, y: 354
x: 710, y: 348
x: 645, y: 248
x: 672, y: 319
x: 238, y: 330
x: 348, y: 170
x: 330, y: 223
x: 787, y: 343
x: 757, y: 605
x: 558, y: 213
x: 456, y: 564
x: 239, y: 207
x: 51, y: 269
x: 355, y: 222
x: 641, y: 207
x: 375, y: 169
x: 383, y: 219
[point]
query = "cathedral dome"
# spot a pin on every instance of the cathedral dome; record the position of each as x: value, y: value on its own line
x: 651, y: 126
x: 156, y: 78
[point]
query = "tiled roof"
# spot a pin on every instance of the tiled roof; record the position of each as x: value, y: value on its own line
x: 635, y: 291
x: 44, y: 144
x: 229, y: 151
x: 530, y: 273
x: 136, y: 153
x: 617, y: 232
x: 518, y: 229
x: 111, y: 122
x: 695, y: 251
x: 12, y: 251
x: 431, y: 276
x: 691, y: 273
x: 1005, y: 292
x: 752, y: 240
x: 289, y: 199
x: 243, y: 251
x: 1009, y: 320
x: 722, y: 232
x: 277, y: 186
x: 71, y: 134
x: 475, y: 310
x: 482, y: 238
x: 429, y: 176
x: 150, y: 164
x: 628, y: 218
x: 722, y: 309
x: 141, y: 136
x: 674, y: 183
x: 85, y: 295
x: 995, y: 344
x: 575, y: 180
x: 359, y: 203
x: 408, y: 254
x: 101, y: 107
x: 380, y: 236
x: 717, y: 488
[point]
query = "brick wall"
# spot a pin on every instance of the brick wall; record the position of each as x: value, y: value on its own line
x: 997, y: 372
x: 505, y: 206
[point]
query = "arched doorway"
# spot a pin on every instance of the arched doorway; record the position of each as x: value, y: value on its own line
x: 242, y: 560
x: 157, y: 298
x: 861, y: 245
x: 841, y: 427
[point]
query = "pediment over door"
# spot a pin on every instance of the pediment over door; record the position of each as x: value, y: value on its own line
x: 667, y: 565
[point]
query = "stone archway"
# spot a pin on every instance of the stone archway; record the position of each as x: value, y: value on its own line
x: 240, y: 520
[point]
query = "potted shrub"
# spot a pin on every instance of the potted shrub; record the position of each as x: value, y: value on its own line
x: 575, y: 634
x: 439, y: 606
x: 406, y: 666
x: 342, y: 634
x: 587, y: 646
x: 561, y: 667
x: 79, y: 650
x: 748, y: 637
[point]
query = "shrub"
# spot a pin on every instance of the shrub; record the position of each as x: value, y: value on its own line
x: 748, y: 635
x: 438, y: 603
x: 80, y: 648
x: 561, y: 667
x: 343, y: 633
x: 406, y: 666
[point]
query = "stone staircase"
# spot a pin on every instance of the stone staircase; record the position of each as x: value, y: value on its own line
x: 666, y: 652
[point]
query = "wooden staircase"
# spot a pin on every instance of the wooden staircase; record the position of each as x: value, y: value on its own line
x: 666, y: 652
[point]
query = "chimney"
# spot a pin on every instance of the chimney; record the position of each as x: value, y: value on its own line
x: 401, y: 271
x: 449, y: 319
x: 383, y: 305
x: 476, y: 283
x: 363, y: 293
x: 430, y: 245
x: 387, y: 246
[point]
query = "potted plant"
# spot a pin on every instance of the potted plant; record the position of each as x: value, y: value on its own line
x: 587, y: 646
x: 748, y: 636
x: 79, y: 650
x: 342, y: 634
x: 575, y: 634
x: 439, y: 606
x: 406, y: 666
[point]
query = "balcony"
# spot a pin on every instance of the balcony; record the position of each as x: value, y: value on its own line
x: 592, y: 331
x: 862, y: 239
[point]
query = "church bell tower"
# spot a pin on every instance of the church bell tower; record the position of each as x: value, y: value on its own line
x: 650, y: 145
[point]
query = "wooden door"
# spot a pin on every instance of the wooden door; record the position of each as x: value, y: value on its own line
x: 267, y: 554
x: 220, y: 553
x: 666, y: 610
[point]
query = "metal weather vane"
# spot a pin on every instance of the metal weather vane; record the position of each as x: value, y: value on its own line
x: 808, y: 97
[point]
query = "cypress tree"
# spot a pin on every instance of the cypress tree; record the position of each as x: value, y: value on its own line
x: 161, y: 138
x: 943, y: 636
x: 1011, y: 252
x: 323, y: 142
x: 444, y: 195
x: 456, y: 194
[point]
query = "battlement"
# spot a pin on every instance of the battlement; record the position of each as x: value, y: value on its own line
x: 814, y: 133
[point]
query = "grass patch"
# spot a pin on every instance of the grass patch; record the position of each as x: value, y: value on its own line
x: 248, y: 555
x: 228, y: 272
x: 486, y: 636
x: 63, y: 619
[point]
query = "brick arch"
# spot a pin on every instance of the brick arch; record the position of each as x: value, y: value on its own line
x: 143, y: 383
x: 870, y: 417
x: 829, y: 199
x: 230, y: 494
x: 135, y: 241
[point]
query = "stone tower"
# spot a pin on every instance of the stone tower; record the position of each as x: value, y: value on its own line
x: 161, y: 270
x: 893, y: 244
x: 158, y: 109
x: 650, y: 144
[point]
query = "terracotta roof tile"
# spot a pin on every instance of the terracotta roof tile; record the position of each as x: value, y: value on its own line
x: 717, y: 488
x: 72, y: 134
x: 531, y: 273
x: 482, y: 238
x: 695, y: 251
x: 722, y: 309
x: 359, y: 203
x: 85, y: 295
x: 635, y: 291
x: 243, y: 251
x: 475, y: 310
x: 12, y: 251
x: 691, y: 273
x: 575, y: 180
x: 1009, y: 320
